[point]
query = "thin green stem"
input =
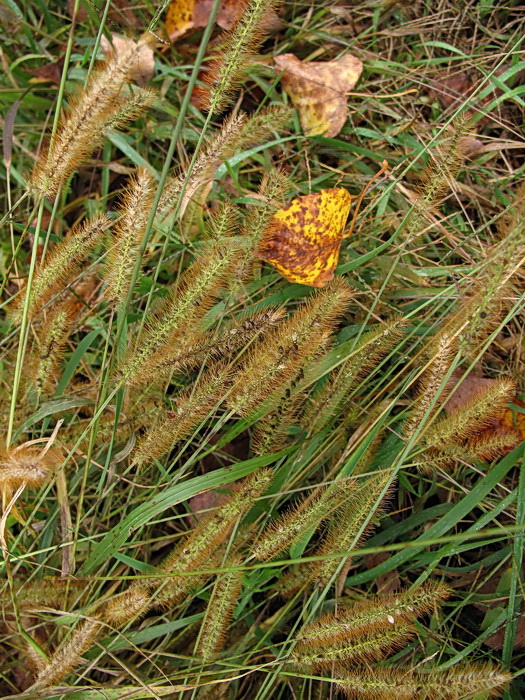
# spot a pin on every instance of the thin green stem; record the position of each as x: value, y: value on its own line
x: 24, y: 325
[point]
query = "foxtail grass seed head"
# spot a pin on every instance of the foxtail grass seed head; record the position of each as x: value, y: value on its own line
x: 259, y: 126
x: 206, y: 537
x: 230, y: 62
x: 132, y: 105
x: 96, y: 108
x: 49, y: 592
x: 363, y: 649
x: 329, y: 399
x: 127, y: 236
x: 46, y: 357
x: 272, y: 193
x: 323, y: 502
x: 180, y: 189
x: 175, y: 327
x: 347, y: 530
x: 219, y: 612
x: 61, y: 265
x: 133, y: 603
x: 233, y: 336
x: 373, y: 614
x: 486, y: 405
x: 27, y: 465
x: 435, y: 180
x: 284, y: 352
x: 271, y: 433
x: 461, y: 681
x: 69, y: 656
x: 440, y: 358
x: 191, y: 408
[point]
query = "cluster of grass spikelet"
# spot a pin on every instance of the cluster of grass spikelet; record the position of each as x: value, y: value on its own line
x: 184, y: 372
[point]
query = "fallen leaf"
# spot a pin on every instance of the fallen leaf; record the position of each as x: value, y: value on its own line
x: 81, y: 15
x: 203, y: 503
x: 186, y: 16
x: 318, y: 90
x: 144, y: 65
x: 303, y: 239
x: 386, y: 583
x: 48, y: 73
x: 452, y: 90
x: 231, y: 10
x: 469, y: 387
x: 509, y: 422
x: 122, y: 13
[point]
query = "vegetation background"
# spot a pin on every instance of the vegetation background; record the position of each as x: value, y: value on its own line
x: 124, y: 435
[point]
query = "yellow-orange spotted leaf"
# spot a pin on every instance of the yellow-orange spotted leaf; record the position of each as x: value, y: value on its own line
x: 304, y: 238
x: 184, y: 16
x: 319, y: 90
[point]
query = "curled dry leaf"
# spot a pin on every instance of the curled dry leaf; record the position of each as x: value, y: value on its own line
x: 303, y: 239
x: 144, y: 64
x: 319, y: 90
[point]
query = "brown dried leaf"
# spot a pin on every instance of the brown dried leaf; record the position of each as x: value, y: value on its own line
x: 319, y: 90
x: 144, y: 65
x: 469, y: 387
x: 452, y: 90
x: 48, y: 73
x: 386, y: 583
x: 186, y: 16
x: 509, y: 422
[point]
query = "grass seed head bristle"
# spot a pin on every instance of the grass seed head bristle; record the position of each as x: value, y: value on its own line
x: 180, y: 189
x: 308, y: 514
x: 220, y: 611
x: 49, y: 592
x: 348, y: 529
x: 61, y: 265
x: 487, y: 446
x: 440, y: 355
x: 129, y: 605
x: 373, y: 614
x: 481, y: 409
x: 191, y: 408
x: 224, y: 222
x: 271, y: 432
x: 230, y: 59
x: 128, y: 234
x: 435, y: 180
x: 175, y: 327
x: 69, y: 656
x: 365, y: 648
x: 90, y: 113
x: 234, y: 336
x: 488, y: 296
x: 285, y: 351
x: 259, y: 126
x: 130, y: 107
x: 27, y: 465
x: 460, y: 681
x: 329, y: 399
x: 206, y: 537
x: 272, y: 192
x: 45, y: 359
